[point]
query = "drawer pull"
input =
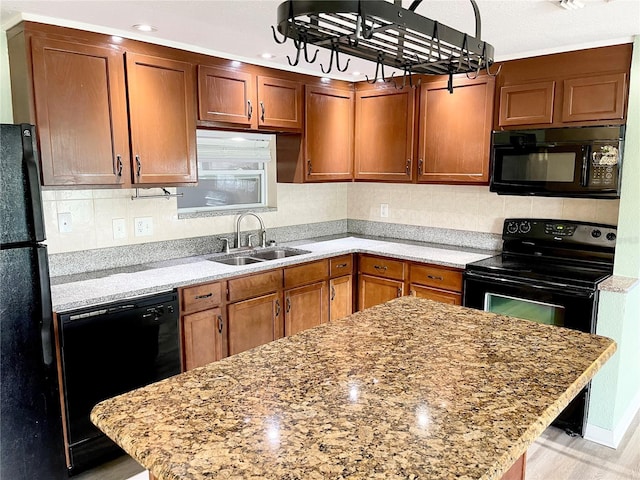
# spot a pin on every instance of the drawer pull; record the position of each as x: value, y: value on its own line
x: 333, y: 293
x: 342, y: 265
x: 435, y: 277
x: 380, y: 267
x: 220, y: 323
x: 200, y: 297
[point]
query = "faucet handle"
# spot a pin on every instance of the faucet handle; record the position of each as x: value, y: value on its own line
x: 249, y: 237
x: 225, y: 244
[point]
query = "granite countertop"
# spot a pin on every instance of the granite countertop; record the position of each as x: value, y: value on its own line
x: 407, y: 389
x: 93, y: 288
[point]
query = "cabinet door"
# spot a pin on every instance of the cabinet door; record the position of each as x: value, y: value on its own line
x: 202, y: 335
x: 441, y: 296
x: 253, y: 322
x: 601, y: 97
x: 328, y: 134
x: 279, y: 103
x: 81, y: 113
x: 226, y: 96
x: 384, y: 134
x: 340, y: 297
x: 375, y: 290
x: 163, y: 121
x: 527, y: 104
x: 305, y: 307
x: 455, y: 131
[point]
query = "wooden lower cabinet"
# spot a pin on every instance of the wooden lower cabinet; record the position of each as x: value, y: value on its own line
x: 375, y: 290
x: 442, y: 296
x: 254, y: 322
x: 202, y: 338
x: 305, y: 307
x: 340, y: 297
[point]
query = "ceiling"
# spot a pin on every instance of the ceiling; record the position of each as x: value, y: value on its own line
x: 240, y: 29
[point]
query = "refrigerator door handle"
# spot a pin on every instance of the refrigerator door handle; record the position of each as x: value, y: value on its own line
x: 30, y: 159
x: 46, y: 327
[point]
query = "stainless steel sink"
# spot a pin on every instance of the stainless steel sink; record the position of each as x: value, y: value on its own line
x: 256, y: 256
x: 240, y: 260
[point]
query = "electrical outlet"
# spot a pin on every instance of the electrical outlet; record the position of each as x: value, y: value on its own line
x: 119, y: 228
x: 64, y: 222
x: 384, y: 210
x: 143, y: 226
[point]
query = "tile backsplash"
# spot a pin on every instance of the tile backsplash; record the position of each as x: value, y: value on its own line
x: 471, y: 208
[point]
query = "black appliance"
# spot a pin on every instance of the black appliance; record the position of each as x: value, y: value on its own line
x: 107, y: 350
x: 548, y: 272
x: 568, y: 162
x: 31, y: 444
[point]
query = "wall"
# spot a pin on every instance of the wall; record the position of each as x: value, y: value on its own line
x: 6, y: 114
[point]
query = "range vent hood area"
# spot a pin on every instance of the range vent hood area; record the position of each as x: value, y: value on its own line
x: 384, y: 33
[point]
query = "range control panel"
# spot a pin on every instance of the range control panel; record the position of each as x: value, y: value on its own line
x: 565, y: 231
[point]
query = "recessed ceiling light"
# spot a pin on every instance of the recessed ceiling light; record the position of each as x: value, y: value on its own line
x: 355, y: 74
x: 267, y: 56
x: 143, y: 27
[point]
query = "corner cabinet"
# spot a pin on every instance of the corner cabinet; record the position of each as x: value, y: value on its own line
x: 237, y: 98
x: 76, y: 94
x: 384, y: 133
x: 455, y: 131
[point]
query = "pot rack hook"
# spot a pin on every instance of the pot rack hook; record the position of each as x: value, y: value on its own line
x: 335, y: 51
x: 301, y: 45
x: 379, y: 68
x: 275, y: 37
x: 486, y: 63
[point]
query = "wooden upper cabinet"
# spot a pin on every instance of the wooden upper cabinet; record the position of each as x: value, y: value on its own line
x: 328, y: 134
x: 384, y: 134
x: 599, y: 97
x: 455, y: 131
x: 231, y: 97
x: 279, y: 103
x: 80, y: 113
x: 527, y: 104
x: 163, y: 120
x: 226, y: 96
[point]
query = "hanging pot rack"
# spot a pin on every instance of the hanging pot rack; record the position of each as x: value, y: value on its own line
x: 384, y: 33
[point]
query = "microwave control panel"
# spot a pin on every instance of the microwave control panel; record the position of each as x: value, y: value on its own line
x: 603, y: 170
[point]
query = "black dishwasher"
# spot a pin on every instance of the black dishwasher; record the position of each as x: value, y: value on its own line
x: 107, y: 350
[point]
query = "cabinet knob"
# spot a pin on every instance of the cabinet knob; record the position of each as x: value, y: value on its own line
x: 399, y: 291
x: 408, y: 167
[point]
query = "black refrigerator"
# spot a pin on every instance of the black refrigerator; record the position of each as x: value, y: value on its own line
x: 31, y: 443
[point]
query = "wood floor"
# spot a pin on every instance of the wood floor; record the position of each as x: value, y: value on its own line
x: 554, y: 456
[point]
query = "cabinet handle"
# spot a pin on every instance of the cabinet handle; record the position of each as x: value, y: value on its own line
x: 380, y: 267
x: 262, y: 111
x: 333, y: 292
x: 138, y: 165
x: 119, y: 168
x: 420, y: 162
x: 435, y: 277
x: 341, y: 265
x: 200, y: 297
x: 309, y: 167
x: 408, y: 167
x: 288, y: 305
x: 399, y: 291
x: 277, y: 308
x: 220, y: 324
x: 249, y: 109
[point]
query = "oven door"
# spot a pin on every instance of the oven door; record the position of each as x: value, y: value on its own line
x: 557, y: 304
x: 539, y: 169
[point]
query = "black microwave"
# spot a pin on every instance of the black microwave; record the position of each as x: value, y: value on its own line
x: 562, y: 162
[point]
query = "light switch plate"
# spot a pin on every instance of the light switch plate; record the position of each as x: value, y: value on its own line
x: 119, y: 228
x: 143, y: 226
x: 384, y: 210
x: 64, y: 222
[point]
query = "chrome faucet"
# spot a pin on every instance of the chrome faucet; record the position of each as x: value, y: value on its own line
x: 263, y: 231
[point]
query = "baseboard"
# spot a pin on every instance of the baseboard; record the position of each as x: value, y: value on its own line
x: 612, y: 438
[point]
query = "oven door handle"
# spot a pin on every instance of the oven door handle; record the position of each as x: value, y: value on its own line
x: 552, y: 287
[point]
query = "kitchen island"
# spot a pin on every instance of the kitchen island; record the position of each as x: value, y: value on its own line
x: 407, y: 389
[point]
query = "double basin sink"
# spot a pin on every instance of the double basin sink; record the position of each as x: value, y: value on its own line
x: 257, y: 256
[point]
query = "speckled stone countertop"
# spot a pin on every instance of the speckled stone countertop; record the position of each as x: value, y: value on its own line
x: 94, y: 288
x: 405, y: 390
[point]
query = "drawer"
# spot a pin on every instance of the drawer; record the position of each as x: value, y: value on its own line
x: 342, y: 265
x: 436, y: 276
x: 442, y: 296
x: 382, y: 267
x: 254, y: 285
x: 201, y: 297
x: 307, y: 273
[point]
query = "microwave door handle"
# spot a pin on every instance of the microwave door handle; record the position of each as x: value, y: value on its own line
x: 586, y: 155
